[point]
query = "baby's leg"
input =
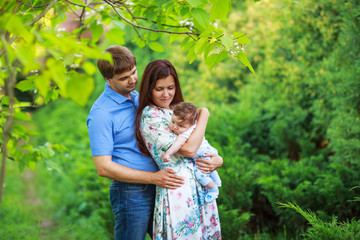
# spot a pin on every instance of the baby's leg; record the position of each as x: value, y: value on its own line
x: 216, y: 178
x: 213, y: 192
x: 205, y: 180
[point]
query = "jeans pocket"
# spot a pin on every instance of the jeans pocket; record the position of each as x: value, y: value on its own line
x: 115, y: 199
x: 133, y: 188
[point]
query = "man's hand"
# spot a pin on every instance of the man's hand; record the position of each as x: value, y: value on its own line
x: 207, y: 166
x: 166, y: 178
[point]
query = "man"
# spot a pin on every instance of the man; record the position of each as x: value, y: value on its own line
x: 111, y: 125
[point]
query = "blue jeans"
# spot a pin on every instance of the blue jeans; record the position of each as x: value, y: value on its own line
x: 133, y: 207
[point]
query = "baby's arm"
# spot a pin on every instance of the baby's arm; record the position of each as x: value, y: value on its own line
x: 179, y: 142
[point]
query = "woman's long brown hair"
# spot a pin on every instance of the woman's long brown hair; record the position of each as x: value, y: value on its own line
x: 155, y: 70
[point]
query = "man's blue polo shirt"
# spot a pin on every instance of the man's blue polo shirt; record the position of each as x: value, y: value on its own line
x: 111, y: 125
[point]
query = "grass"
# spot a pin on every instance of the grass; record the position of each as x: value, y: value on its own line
x: 30, y: 211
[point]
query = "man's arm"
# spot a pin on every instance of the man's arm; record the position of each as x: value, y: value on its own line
x: 174, y: 148
x: 165, y: 178
x: 193, y: 143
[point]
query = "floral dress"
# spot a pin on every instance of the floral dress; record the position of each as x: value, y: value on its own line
x: 181, y: 213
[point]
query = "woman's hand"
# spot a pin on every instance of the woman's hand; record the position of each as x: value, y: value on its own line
x: 207, y: 166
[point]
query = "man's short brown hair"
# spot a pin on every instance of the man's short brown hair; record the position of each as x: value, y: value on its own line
x: 186, y: 112
x: 123, y: 60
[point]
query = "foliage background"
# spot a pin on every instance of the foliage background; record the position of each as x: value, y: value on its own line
x: 290, y: 133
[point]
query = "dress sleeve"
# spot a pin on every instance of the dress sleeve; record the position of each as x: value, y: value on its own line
x: 155, y: 128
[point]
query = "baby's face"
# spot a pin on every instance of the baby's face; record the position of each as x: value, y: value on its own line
x: 177, y: 126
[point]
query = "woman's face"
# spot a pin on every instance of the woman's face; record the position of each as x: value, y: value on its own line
x: 164, y: 92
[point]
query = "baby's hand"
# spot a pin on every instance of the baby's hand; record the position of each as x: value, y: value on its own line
x: 166, y: 158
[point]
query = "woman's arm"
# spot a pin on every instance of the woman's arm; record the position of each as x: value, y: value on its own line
x: 193, y: 143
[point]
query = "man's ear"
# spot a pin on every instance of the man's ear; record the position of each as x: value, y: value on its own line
x: 108, y: 80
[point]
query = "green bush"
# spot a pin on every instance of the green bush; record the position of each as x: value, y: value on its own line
x: 290, y: 133
x: 332, y: 230
x: 82, y: 193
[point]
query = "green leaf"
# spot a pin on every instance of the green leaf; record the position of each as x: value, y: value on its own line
x: 25, y: 85
x: 188, y: 46
x: 154, y: 36
x: 27, y: 147
x: 89, y: 68
x: 97, y: 31
x: 21, y: 116
x: 15, y: 25
x: 195, y: 3
x: 57, y: 72
x: 184, y: 41
x: 201, y: 18
x: 207, y: 50
x: 241, y: 38
x: 42, y: 83
x: 141, y: 43
x: 214, y: 59
x: 174, y: 37
x: 18, y: 129
x: 26, y: 55
x: 115, y: 35
x: 156, y: 46
x: 78, y: 2
x: 201, y: 44
x: 32, y: 132
x: 191, y: 56
x: 227, y: 42
x: 242, y: 57
x: 220, y: 9
x: 5, y: 100
x: 47, y: 152
x: 79, y: 88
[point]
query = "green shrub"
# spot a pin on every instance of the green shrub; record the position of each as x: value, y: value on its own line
x: 332, y: 230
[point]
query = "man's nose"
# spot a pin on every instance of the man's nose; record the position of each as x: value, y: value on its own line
x: 132, y: 79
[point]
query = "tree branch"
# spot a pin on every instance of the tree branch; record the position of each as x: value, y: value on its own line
x: 10, y: 85
x: 22, y: 107
x: 90, y: 5
x: 42, y: 14
x: 32, y: 8
x: 144, y: 28
x: 145, y: 19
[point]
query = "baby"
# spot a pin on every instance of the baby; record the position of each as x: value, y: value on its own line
x: 183, y: 122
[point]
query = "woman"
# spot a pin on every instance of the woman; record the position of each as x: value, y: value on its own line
x: 181, y: 213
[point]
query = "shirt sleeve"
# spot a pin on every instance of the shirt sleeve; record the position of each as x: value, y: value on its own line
x: 100, y: 127
x: 155, y: 128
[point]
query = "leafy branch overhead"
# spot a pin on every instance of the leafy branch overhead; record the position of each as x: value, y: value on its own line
x: 188, y: 20
x: 64, y: 33
x: 46, y: 46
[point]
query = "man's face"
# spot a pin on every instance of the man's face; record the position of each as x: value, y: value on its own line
x: 124, y: 83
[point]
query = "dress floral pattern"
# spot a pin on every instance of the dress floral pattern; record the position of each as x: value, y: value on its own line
x: 181, y: 213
